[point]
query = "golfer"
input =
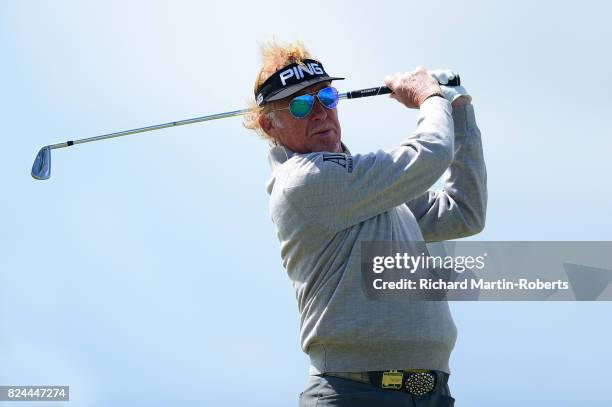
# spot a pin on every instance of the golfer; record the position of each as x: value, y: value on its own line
x: 326, y: 201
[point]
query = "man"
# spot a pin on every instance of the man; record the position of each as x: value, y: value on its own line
x: 325, y: 202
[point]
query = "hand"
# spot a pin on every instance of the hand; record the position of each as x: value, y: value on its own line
x: 457, y: 95
x: 412, y: 88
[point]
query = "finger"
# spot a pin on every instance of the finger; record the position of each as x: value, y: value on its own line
x: 388, y: 80
x: 391, y: 80
x: 400, y: 81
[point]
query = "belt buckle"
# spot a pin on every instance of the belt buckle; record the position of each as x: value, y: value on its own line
x: 392, y: 379
x: 420, y: 383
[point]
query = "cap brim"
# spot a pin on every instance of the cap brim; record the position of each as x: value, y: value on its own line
x: 286, y: 92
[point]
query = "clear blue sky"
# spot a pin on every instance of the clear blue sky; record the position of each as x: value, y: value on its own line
x: 146, y: 270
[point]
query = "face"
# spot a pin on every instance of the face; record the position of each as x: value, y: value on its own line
x: 319, y: 131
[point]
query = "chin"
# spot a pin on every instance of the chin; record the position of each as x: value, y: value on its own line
x: 330, y: 146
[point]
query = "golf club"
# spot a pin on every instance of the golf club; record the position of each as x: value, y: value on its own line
x: 41, y: 169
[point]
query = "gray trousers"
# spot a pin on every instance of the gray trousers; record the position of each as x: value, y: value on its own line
x: 327, y: 391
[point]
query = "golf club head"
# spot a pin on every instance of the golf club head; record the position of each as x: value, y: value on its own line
x: 41, y: 169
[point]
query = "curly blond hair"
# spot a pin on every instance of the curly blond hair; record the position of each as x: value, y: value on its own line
x: 274, y: 56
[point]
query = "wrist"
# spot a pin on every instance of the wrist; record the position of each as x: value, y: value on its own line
x: 461, y: 100
x: 432, y: 95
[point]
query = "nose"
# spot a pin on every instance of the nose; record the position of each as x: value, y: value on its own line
x: 318, y: 111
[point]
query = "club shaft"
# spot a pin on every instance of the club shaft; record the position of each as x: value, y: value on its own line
x: 151, y: 128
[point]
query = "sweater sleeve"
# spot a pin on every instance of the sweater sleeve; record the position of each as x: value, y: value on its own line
x: 339, y: 190
x: 458, y: 209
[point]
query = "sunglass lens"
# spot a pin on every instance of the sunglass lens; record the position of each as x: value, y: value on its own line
x: 328, y: 97
x: 302, y: 105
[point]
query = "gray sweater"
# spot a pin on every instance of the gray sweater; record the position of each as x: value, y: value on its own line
x: 324, y: 205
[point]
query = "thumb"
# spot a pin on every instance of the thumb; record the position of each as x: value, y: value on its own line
x: 389, y: 81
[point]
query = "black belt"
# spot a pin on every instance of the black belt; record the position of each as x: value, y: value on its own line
x: 415, y: 382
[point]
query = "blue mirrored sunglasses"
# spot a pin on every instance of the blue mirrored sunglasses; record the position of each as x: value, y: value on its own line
x: 301, y: 106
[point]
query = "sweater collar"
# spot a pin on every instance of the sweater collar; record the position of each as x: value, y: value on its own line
x: 279, y: 154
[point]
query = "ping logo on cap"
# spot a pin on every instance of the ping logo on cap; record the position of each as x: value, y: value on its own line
x: 311, y: 68
x: 290, y: 79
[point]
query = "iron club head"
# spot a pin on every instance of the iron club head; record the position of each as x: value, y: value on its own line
x: 41, y: 169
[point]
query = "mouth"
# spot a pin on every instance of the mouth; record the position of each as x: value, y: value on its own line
x: 324, y: 133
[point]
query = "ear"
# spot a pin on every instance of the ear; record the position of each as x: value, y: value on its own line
x: 266, y: 124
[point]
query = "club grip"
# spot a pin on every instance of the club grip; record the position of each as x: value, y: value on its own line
x: 361, y: 93
x: 383, y: 90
